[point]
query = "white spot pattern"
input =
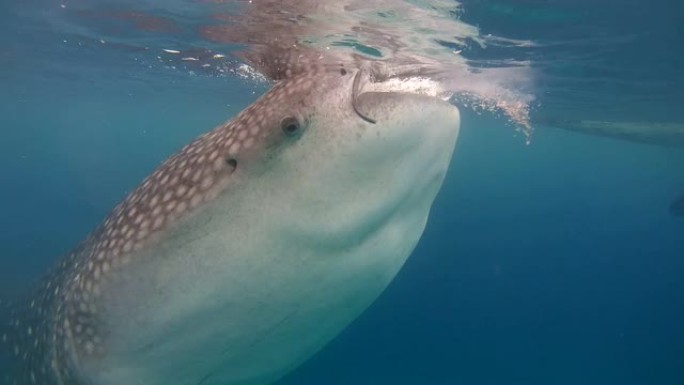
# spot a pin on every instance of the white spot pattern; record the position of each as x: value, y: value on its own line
x: 63, y: 319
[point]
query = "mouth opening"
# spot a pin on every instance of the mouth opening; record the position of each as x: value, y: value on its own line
x: 413, y: 79
x: 355, y: 94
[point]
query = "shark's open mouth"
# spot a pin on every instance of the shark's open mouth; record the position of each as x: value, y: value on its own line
x: 380, y: 79
x: 355, y: 94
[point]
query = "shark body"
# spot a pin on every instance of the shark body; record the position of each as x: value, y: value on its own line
x: 252, y: 247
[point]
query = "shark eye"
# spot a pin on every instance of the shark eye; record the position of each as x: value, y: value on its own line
x: 290, y: 126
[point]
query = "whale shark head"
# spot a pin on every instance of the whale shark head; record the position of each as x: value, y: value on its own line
x: 253, y: 246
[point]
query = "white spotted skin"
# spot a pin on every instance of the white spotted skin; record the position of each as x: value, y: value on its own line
x: 248, y: 251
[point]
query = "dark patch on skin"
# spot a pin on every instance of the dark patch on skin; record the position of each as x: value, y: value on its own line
x: 232, y: 163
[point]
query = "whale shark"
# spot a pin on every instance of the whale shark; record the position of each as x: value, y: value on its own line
x: 254, y: 245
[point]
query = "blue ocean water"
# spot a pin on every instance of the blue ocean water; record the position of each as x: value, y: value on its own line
x: 556, y: 262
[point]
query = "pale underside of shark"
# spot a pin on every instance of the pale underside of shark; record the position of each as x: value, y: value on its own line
x: 253, y: 246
